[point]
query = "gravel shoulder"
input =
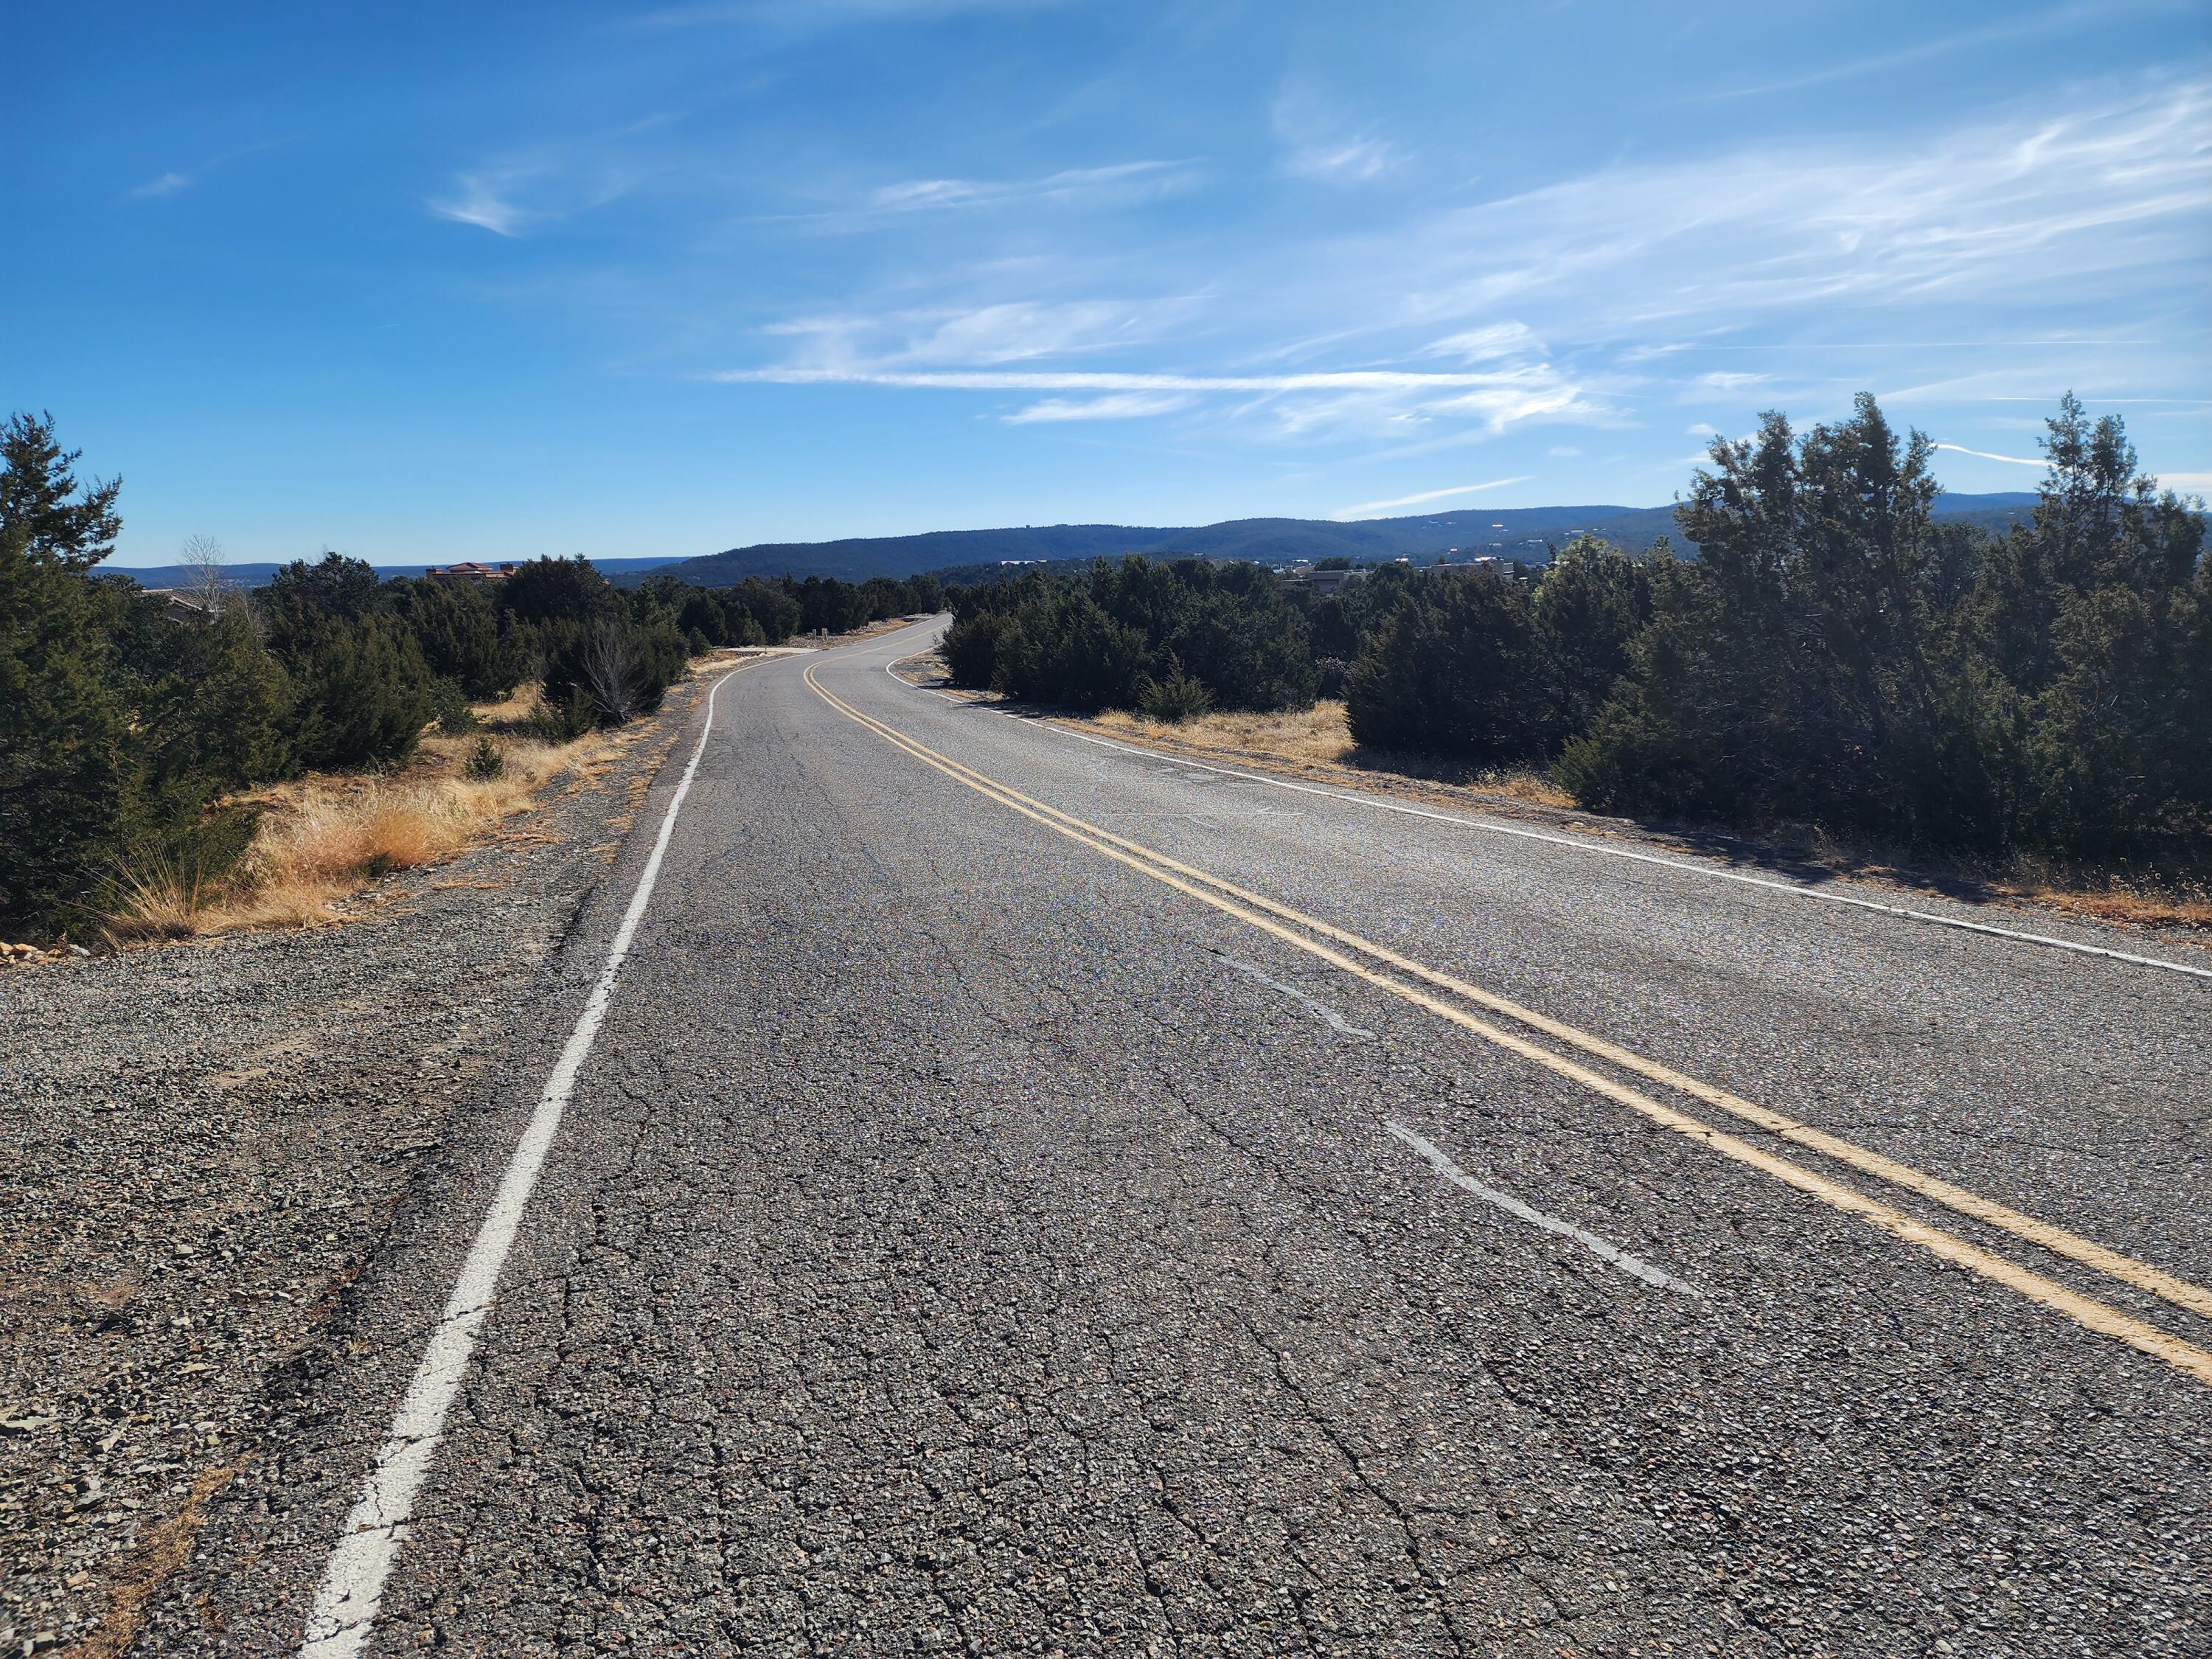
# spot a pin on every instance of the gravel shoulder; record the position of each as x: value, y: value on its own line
x: 200, y: 1146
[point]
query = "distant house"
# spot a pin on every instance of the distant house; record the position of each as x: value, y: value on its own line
x: 1305, y: 576
x: 469, y: 571
x: 182, y: 606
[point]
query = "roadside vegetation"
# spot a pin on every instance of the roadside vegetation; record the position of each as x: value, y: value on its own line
x: 215, y: 757
x: 1831, y: 661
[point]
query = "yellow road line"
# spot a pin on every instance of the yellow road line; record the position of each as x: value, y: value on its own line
x: 2140, y: 1275
x: 2093, y: 1315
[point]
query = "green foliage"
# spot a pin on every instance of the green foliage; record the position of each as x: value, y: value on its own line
x: 830, y: 605
x: 558, y: 590
x: 1833, y: 658
x: 228, y: 720
x: 1795, y: 671
x: 485, y: 762
x: 769, y: 607
x: 463, y: 634
x: 1454, y: 671
x: 70, y: 779
x: 1243, y: 642
x: 1096, y: 640
x: 566, y: 721
x: 119, y: 727
x: 1174, y: 697
x: 124, y: 722
x: 364, y: 694
x: 1069, y: 650
x: 1591, y: 602
x: 301, y: 599
x: 449, y: 707
x: 60, y: 523
x: 619, y: 668
x: 971, y: 649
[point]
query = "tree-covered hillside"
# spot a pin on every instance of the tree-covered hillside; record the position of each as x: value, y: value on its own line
x: 1523, y: 532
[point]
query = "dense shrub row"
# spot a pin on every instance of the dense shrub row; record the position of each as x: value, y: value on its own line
x: 1172, y: 638
x: 124, y: 721
x: 1832, y: 656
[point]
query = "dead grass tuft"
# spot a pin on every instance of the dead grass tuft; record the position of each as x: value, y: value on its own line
x: 166, y: 1546
x: 1317, y: 742
x: 325, y: 838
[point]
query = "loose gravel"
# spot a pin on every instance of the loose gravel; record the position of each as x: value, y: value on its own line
x: 200, y: 1145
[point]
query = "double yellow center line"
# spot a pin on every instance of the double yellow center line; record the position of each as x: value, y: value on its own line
x: 1343, y: 951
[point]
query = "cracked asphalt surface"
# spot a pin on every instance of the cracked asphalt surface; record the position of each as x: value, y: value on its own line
x: 954, y: 1245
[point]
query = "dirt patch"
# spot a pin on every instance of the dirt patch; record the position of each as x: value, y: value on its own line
x: 166, y: 1547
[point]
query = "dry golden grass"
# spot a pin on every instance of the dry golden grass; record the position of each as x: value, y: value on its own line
x: 510, y: 711
x: 2130, y: 895
x: 322, y: 839
x: 1317, y: 742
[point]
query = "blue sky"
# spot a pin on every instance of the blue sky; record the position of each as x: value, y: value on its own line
x: 421, y: 282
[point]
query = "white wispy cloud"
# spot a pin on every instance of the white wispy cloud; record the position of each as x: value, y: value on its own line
x: 803, y: 13
x: 543, y: 186
x: 2017, y: 460
x: 1114, y: 406
x: 1316, y: 145
x: 477, y: 200
x: 167, y: 185
x: 1588, y: 300
x: 2096, y: 194
x: 1115, y: 379
x: 1121, y: 183
x: 2097, y: 13
x: 1377, y: 509
x: 1488, y: 344
x: 1293, y: 405
x: 1011, y: 331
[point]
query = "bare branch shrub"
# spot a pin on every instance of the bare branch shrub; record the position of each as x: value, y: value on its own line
x: 613, y: 678
x: 206, y: 580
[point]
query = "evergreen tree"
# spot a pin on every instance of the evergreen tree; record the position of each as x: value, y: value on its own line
x: 1454, y: 671
x: 301, y: 599
x: 1590, y: 604
x: 364, y: 693
x: 69, y: 777
x: 60, y: 523
x: 462, y: 634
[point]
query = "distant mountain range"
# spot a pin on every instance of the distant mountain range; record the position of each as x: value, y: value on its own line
x: 256, y: 575
x: 1521, y: 532
x: 1516, y: 532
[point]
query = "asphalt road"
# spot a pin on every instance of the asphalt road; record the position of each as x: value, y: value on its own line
x: 970, y: 1232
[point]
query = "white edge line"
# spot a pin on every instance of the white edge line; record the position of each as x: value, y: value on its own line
x: 1635, y: 1266
x: 353, y: 1580
x: 1169, y: 757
